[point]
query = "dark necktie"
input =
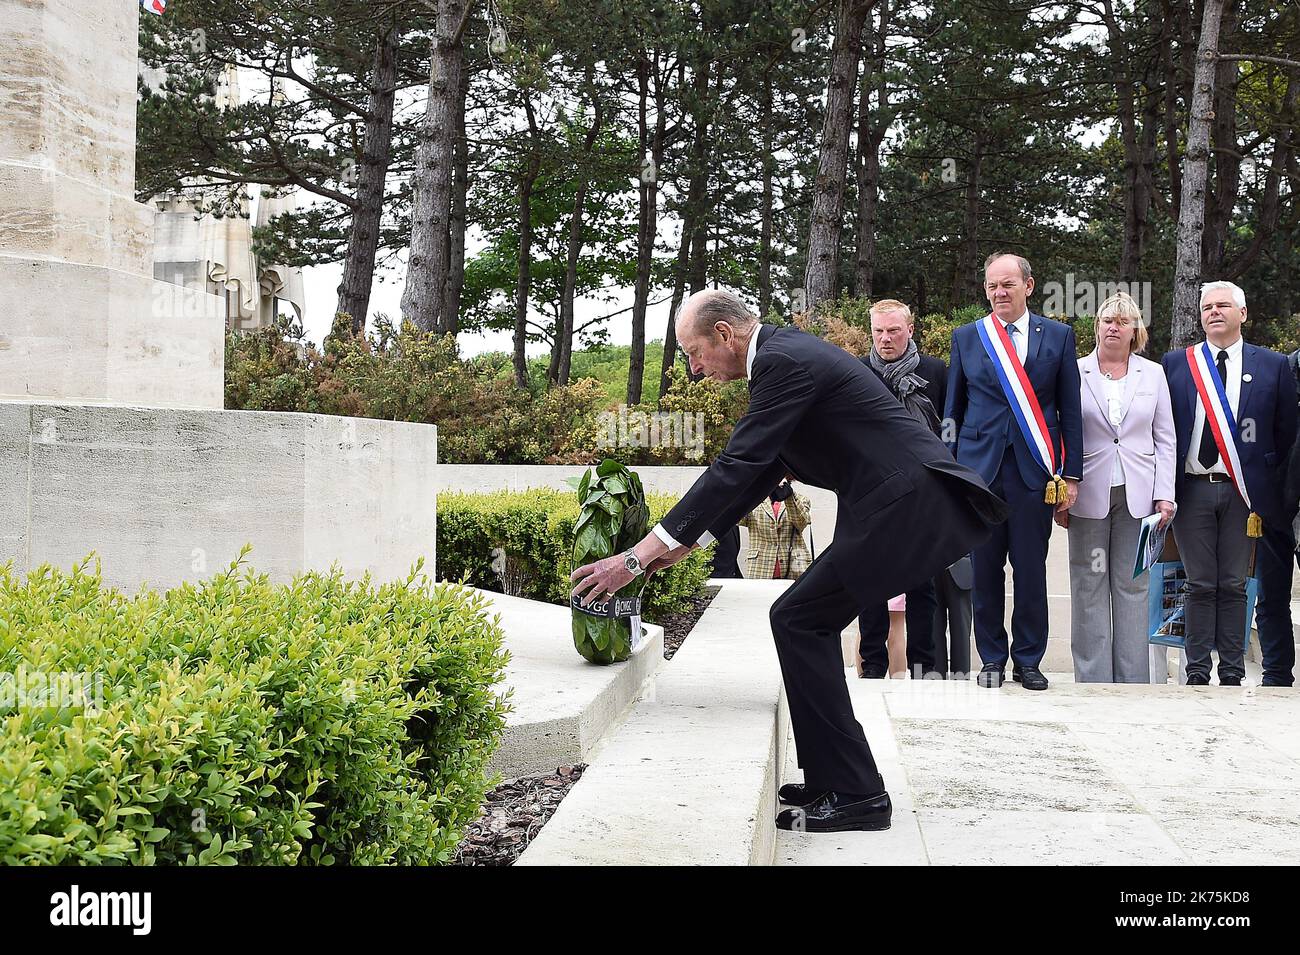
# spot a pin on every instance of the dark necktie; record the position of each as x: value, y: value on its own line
x: 1012, y: 331
x: 1208, y: 454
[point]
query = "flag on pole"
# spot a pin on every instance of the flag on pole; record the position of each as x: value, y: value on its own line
x: 154, y: 6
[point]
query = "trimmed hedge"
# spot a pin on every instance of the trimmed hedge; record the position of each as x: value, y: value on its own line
x: 534, y: 531
x: 243, y: 722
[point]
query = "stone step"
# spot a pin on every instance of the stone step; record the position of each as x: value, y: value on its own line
x: 690, y: 777
x: 562, y: 705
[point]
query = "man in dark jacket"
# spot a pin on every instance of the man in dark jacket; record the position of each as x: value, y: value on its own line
x: 906, y: 510
x: 917, y: 381
x: 1275, y: 560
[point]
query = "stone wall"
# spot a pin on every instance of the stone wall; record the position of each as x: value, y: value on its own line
x: 171, y: 495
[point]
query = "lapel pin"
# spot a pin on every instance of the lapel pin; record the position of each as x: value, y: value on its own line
x: 1246, y: 377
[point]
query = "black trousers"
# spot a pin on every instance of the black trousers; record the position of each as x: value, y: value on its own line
x: 807, y: 621
x: 873, y: 628
x: 1024, y: 539
x: 725, y: 553
x: 1274, y: 559
x: 952, y: 627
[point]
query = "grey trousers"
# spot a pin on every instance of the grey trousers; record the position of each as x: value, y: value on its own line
x: 1211, y: 533
x: 1108, y: 608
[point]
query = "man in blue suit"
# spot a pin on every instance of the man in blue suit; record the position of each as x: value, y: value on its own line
x: 987, y: 426
x: 1213, y: 517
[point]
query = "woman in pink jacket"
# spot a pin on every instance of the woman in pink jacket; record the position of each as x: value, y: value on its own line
x: 1128, y: 474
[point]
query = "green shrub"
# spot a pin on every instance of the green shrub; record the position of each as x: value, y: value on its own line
x: 244, y: 722
x: 528, y: 535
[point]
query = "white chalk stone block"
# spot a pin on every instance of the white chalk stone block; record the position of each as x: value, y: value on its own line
x: 171, y: 495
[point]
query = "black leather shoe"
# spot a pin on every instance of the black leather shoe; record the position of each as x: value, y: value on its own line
x: 991, y: 675
x: 797, y: 794
x: 1031, y: 678
x: 872, y: 673
x: 839, y: 812
x: 1197, y: 679
x: 1273, y: 681
x: 1229, y: 681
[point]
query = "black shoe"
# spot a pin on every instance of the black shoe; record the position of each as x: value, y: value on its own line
x: 797, y: 794
x: 1229, y: 681
x: 1273, y: 681
x: 839, y: 812
x: 1198, y: 679
x: 873, y: 673
x: 991, y: 676
x: 1031, y: 678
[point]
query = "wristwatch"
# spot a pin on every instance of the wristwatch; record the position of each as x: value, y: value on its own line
x: 632, y: 564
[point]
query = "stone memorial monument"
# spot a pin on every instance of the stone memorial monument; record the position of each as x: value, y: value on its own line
x: 112, y: 433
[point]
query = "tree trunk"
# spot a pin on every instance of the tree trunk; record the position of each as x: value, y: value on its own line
x: 870, y: 136
x: 1269, y: 210
x: 679, y: 293
x: 1136, y: 194
x: 965, y: 281
x: 821, y: 276
x: 1191, y: 213
x: 426, y: 267
x: 376, y: 148
x: 765, y: 224
x: 1225, y: 154
x: 456, y: 222
x: 648, y: 223
x: 524, y: 277
x: 574, y: 250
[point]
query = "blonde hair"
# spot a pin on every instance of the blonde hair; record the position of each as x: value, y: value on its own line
x: 891, y: 305
x: 1122, y: 305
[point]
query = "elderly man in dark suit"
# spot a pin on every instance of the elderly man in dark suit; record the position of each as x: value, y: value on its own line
x: 917, y: 381
x: 1014, y: 416
x: 906, y: 510
x: 1235, y: 420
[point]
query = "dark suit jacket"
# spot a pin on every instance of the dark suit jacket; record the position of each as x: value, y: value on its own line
x: 935, y: 374
x: 905, y: 511
x: 1291, y: 487
x: 1268, y: 400
x: 979, y: 418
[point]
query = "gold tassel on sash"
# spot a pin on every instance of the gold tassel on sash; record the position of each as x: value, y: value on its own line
x: 1057, y: 492
x: 1254, y: 525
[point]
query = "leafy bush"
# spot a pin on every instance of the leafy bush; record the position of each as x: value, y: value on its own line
x: 403, y: 374
x: 243, y: 722
x: 522, y: 542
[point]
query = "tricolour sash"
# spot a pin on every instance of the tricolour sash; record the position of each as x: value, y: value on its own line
x: 1221, y: 422
x: 1024, y: 403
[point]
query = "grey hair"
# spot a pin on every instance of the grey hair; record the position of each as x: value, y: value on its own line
x: 718, y: 305
x: 1238, y: 296
x: 1026, y: 272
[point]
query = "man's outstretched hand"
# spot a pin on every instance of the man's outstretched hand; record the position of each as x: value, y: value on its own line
x: 607, y: 576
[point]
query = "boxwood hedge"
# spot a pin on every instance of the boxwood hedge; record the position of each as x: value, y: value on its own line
x: 244, y: 722
x: 527, y: 537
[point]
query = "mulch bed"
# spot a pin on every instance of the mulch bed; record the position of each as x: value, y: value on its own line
x: 678, y: 625
x: 513, y: 814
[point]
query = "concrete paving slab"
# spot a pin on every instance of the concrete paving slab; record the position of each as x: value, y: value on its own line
x: 1158, y: 775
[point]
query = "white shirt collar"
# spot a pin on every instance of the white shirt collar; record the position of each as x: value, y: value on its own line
x: 753, y: 348
x: 1022, y: 323
x: 1233, y: 350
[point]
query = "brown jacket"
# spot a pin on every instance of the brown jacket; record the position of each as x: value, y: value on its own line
x: 782, y: 537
